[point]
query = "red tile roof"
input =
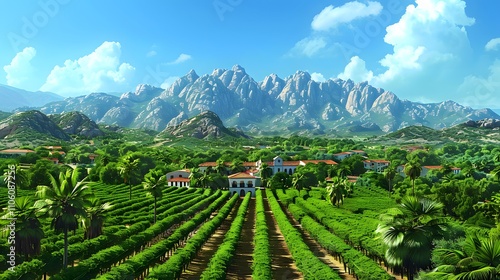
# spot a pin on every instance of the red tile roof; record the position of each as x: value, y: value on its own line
x: 16, y: 151
x: 179, y: 179
x: 241, y: 175
x: 433, y: 166
x: 316, y: 161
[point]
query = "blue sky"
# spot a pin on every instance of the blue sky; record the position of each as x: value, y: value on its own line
x: 422, y: 50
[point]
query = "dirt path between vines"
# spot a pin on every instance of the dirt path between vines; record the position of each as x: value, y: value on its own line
x: 200, y: 262
x: 241, y: 265
x: 282, y: 264
x: 317, y: 250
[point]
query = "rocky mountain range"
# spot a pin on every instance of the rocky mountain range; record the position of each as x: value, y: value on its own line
x: 35, y: 125
x: 295, y: 104
x: 12, y: 98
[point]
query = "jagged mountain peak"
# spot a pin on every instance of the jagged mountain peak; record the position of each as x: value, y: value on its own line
x: 33, y: 123
x: 271, y: 103
x: 207, y: 124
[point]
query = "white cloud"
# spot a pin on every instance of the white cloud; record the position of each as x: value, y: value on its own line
x: 318, y: 77
x: 331, y: 17
x: 168, y: 82
x: 99, y: 71
x: 428, y: 33
x: 182, y: 58
x: 20, y: 71
x: 493, y: 45
x: 356, y: 71
x: 308, y: 46
x: 480, y: 91
x: 151, y: 53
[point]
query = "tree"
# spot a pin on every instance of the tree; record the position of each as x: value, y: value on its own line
x: 496, y: 173
x: 221, y: 167
x: 265, y: 173
x: 154, y: 182
x: 280, y: 180
x: 127, y: 166
x: 336, y: 191
x: 478, y: 259
x: 413, y: 170
x: 237, y: 166
x: 29, y: 232
x: 389, y: 174
x: 408, y: 233
x: 94, y: 221
x: 65, y: 201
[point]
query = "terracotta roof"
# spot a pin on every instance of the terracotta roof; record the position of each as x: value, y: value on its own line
x: 433, y: 166
x: 241, y: 175
x: 358, y: 151
x: 249, y: 163
x: 456, y: 168
x: 179, y: 179
x: 16, y: 151
x: 316, y: 161
x: 291, y: 163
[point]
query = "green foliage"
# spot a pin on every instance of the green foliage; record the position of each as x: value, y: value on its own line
x: 261, y: 265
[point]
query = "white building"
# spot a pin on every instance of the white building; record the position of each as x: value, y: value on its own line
x: 377, y: 165
x: 178, y: 178
x: 242, y: 182
x: 280, y: 165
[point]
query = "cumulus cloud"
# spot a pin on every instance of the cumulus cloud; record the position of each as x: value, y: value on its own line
x: 430, y: 32
x: 168, y: 82
x: 20, y: 70
x: 318, y: 77
x: 99, y: 71
x: 331, y: 17
x: 181, y: 58
x: 428, y: 37
x: 356, y: 71
x: 481, y: 91
x: 493, y: 45
x: 308, y: 46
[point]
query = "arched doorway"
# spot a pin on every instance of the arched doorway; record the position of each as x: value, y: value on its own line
x: 242, y: 193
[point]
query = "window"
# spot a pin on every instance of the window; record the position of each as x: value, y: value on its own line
x: 242, y: 184
x: 250, y: 184
x: 234, y: 184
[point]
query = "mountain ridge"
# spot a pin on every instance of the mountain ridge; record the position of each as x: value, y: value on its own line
x: 295, y: 104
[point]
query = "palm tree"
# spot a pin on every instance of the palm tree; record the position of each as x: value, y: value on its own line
x: 20, y: 178
x: 408, y: 233
x: 65, y: 201
x: 413, y: 170
x: 265, y: 173
x: 496, y: 173
x: 154, y: 182
x: 29, y: 232
x: 389, y: 174
x: 237, y: 166
x: 128, y: 166
x: 94, y: 221
x: 194, y: 178
x: 478, y: 259
x: 336, y: 191
x: 221, y: 167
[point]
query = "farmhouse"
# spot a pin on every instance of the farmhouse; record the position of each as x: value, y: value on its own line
x: 277, y: 165
x: 377, y: 165
x: 179, y: 178
x: 242, y: 183
x: 9, y: 153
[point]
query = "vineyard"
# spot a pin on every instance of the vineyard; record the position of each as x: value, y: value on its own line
x: 205, y: 234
